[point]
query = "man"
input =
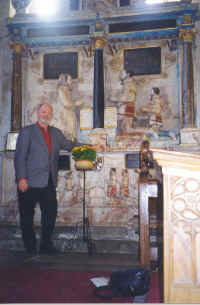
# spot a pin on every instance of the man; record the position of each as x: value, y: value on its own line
x: 36, y: 168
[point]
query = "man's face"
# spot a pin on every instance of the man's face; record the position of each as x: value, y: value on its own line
x: 45, y: 114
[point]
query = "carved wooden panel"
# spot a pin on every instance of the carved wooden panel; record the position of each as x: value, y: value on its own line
x: 146, y: 190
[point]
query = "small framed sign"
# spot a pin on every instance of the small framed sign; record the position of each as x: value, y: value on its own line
x: 133, y: 160
x: 64, y: 162
x: 110, y: 117
x: 86, y: 118
x: 11, y: 141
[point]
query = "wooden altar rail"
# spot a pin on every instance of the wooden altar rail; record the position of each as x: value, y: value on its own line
x: 146, y: 190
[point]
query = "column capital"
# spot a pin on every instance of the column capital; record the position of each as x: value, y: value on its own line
x: 99, y: 42
x: 17, y: 47
x: 187, y: 35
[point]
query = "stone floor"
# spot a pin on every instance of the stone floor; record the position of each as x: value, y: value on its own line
x: 69, y: 261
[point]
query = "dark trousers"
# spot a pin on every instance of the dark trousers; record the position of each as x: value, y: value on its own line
x: 46, y: 197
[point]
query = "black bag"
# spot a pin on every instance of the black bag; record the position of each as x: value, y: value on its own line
x: 131, y: 282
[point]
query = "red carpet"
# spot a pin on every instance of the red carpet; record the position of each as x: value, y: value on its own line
x: 59, y: 286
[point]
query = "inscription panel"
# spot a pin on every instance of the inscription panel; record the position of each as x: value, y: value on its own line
x: 57, y: 63
x: 143, y: 61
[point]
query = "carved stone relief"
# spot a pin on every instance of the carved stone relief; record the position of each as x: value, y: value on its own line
x: 185, y: 217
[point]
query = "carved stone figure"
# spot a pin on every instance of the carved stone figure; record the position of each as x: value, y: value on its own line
x: 154, y: 109
x: 112, y: 186
x: 124, y: 191
x: 68, y: 116
x: 127, y: 110
x: 128, y: 97
x: 127, y: 125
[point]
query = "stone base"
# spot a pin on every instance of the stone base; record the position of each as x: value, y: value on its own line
x: 69, y: 239
x: 105, y: 240
x: 190, y: 136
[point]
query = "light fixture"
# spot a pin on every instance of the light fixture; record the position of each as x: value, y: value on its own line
x: 45, y: 7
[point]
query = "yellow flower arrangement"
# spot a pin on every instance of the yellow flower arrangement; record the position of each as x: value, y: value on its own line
x: 83, y: 152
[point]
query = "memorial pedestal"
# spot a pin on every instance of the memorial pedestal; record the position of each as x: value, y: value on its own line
x: 181, y: 185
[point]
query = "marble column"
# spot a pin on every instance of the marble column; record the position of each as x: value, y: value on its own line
x: 16, y: 104
x: 187, y: 106
x: 98, y: 93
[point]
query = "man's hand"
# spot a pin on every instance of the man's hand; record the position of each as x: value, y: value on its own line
x: 23, y: 185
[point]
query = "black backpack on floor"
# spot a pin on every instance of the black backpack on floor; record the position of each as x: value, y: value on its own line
x: 127, y: 283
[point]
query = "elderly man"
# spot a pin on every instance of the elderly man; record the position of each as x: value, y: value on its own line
x: 36, y: 168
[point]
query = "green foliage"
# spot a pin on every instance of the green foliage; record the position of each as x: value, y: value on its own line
x: 83, y: 152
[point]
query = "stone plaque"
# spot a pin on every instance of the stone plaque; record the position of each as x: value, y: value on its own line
x: 57, y: 63
x: 143, y: 61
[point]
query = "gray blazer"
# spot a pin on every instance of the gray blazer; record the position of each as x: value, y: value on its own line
x: 32, y: 159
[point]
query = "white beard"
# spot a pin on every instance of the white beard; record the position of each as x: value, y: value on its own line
x: 45, y: 122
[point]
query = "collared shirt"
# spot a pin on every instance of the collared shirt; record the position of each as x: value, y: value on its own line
x: 47, y: 137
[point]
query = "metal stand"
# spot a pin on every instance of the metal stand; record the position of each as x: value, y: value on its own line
x: 82, y: 233
x: 86, y: 225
